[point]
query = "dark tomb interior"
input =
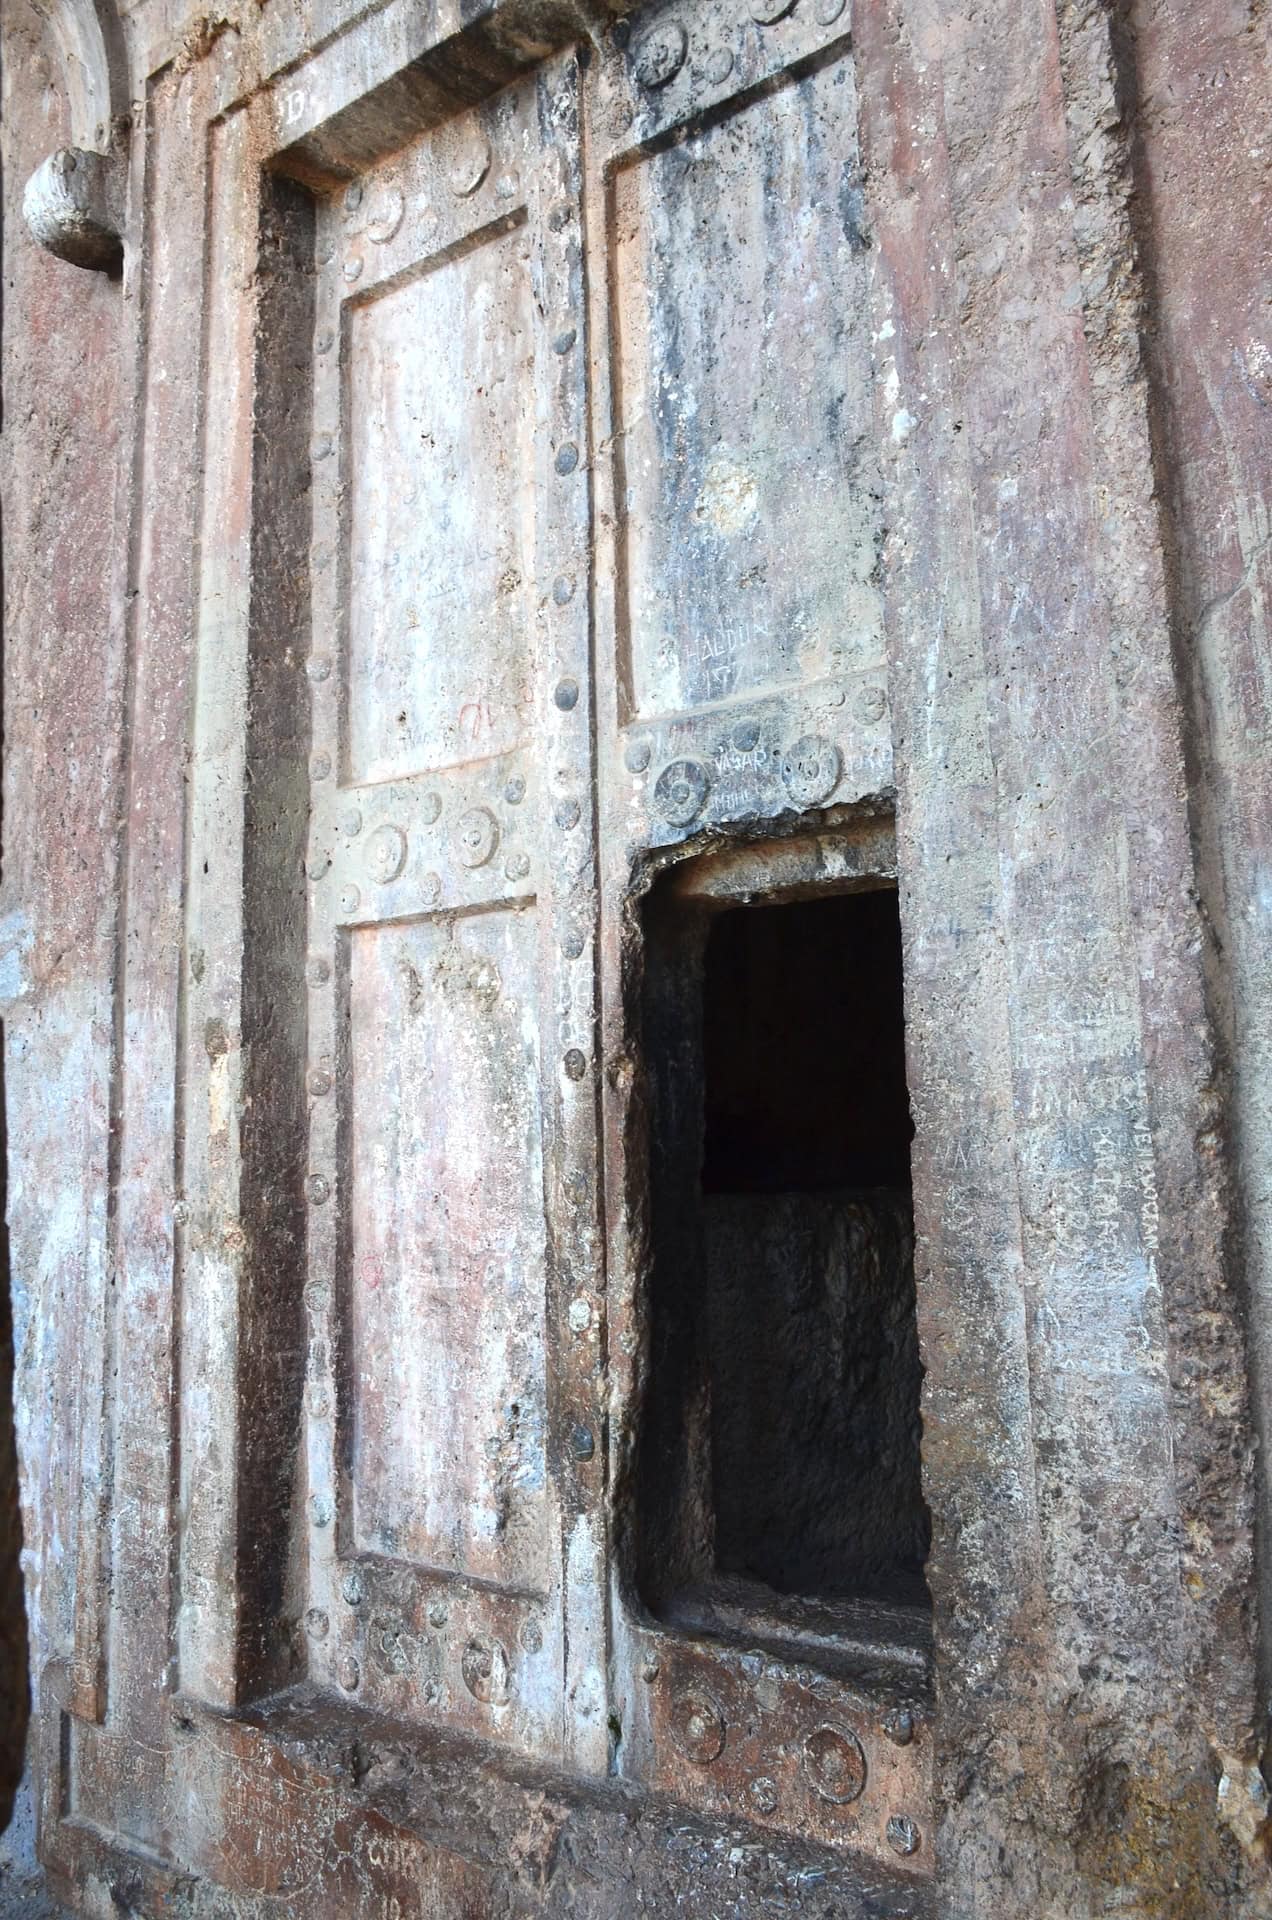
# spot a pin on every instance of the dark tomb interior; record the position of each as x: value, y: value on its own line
x: 780, y: 1448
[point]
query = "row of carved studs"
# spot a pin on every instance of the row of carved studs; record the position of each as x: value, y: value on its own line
x: 661, y: 53
x: 477, y: 835
x: 566, y: 461
x: 377, y: 217
x: 475, y: 839
x: 568, y: 811
x: 398, y: 1652
x: 810, y: 770
x: 833, y: 1758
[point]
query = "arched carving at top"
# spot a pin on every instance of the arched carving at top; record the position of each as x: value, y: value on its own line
x: 74, y: 203
x: 90, y: 42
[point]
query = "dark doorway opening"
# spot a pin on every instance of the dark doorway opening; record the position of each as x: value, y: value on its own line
x: 781, y: 1446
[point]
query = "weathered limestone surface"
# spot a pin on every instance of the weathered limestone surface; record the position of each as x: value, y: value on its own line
x: 521, y: 461
x: 1202, y: 227
x: 65, y: 424
x: 15, y: 1701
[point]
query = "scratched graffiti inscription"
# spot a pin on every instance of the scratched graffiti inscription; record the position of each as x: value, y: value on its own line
x: 439, y: 450
x: 751, y: 515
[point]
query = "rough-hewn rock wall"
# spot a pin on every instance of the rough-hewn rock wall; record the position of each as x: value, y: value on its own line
x: 65, y: 536
x: 1195, y: 86
x: 14, y: 1684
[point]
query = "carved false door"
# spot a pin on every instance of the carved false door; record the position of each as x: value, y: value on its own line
x: 450, y: 1421
x: 745, y: 756
x: 580, y: 379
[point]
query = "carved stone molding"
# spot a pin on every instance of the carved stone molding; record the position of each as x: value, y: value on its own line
x: 73, y: 203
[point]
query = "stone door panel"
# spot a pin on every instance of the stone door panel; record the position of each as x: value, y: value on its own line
x: 450, y: 745
x: 738, y: 599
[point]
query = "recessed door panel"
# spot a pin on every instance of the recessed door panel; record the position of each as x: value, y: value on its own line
x: 750, y: 526
x: 445, y: 1395
x: 440, y: 449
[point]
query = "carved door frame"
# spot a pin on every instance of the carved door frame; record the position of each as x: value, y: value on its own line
x: 154, y: 1731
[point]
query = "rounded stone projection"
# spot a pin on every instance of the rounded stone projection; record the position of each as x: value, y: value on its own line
x: 661, y: 54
